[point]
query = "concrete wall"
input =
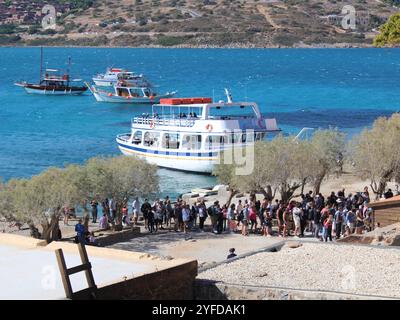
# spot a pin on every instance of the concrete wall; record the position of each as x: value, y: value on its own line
x: 174, y: 283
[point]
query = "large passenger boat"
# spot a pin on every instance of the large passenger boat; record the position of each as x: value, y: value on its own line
x: 189, y: 133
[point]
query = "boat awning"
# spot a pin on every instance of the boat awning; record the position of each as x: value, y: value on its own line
x: 179, y: 101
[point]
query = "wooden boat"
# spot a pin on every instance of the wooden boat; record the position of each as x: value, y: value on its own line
x: 53, y: 83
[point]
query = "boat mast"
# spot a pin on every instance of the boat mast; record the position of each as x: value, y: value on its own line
x: 68, y: 70
x: 41, y: 64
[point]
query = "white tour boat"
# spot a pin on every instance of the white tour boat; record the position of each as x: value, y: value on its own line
x: 189, y: 134
x: 114, y: 75
x: 128, y: 93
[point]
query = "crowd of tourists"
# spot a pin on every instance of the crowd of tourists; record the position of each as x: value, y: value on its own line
x: 312, y: 215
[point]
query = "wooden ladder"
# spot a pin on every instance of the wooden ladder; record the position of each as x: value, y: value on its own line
x: 86, y: 266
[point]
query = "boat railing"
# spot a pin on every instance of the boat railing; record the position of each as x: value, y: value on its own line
x: 176, y: 122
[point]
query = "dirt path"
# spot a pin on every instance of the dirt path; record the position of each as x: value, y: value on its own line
x: 265, y: 12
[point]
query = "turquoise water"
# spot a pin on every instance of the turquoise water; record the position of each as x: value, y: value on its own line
x: 345, y: 88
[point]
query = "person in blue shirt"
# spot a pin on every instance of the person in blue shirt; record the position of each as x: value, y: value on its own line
x: 80, y: 232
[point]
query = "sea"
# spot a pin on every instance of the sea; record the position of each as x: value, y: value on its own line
x: 317, y: 88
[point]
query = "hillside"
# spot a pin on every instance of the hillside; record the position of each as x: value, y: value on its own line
x: 262, y: 23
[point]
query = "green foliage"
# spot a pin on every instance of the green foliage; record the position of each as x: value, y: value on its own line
x: 285, y: 164
x: 9, y: 40
x: 376, y: 153
x: 7, y: 28
x: 39, y: 201
x: 390, y: 33
x: 79, y: 4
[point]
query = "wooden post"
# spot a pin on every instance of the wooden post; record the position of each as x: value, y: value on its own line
x: 85, y: 260
x: 86, y: 266
x: 64, y: 274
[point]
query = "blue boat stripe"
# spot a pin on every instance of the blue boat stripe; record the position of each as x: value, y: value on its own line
x: 169, y: 153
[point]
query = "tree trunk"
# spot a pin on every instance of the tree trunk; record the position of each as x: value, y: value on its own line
x: 270, y: 195
x: 381, y: 188
x: 303, y: 185
x: 318, y: 182
x: 232, y: 194
x: 288, y: 191
x: 253, y: 197
x: 50, y: 229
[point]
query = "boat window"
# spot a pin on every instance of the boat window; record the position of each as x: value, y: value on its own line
x: 215, y: 142
x: 227, y: 113
x: 123, y: 92
x: 135, y: 93
x: 248, y: 137
x: 191, y: 142
x: 152, y: 139
x: 137, y: 137
x: 235, y: 138
x: 171, y: 141
x: 259, y: 136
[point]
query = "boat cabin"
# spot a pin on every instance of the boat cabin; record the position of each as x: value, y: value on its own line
x: 134, y: 92
x: 195, y: 124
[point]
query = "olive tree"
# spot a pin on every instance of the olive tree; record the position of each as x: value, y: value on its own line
x: 278, y: 167
x: 376, y: 153
x: 326, y: 151
x: 39, y: 201
x: 121, y: 178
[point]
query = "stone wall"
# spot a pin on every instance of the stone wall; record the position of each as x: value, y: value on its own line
x: 107, y: 238
x: 211, y: 290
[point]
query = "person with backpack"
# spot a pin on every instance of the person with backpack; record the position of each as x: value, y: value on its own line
x: 297, y: 217
x: 219, y: 217
x: 213, y: 216
x: 158, y: 216
x: 338, y: 220
x: 80, y: 232
x: 316, y: 217
x: 328, y: 224
x: 279, y: 216
x: 225, y: 217
x: 150, y: 220
x: 253, y: 218
x: 202, y: 210
x: 185, y: 217
x: 350, y: 220
x: 324, y: 215
x: 245, y: 221
x: 267, y: 223
x: 146, y: 207
x: 239, y: 212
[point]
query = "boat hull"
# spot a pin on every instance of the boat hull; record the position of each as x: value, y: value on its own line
x: 200, y: 162
x: 103, y: 97
x: 42, y: 90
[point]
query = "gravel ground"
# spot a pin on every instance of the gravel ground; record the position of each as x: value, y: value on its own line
x: 342, y: 268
